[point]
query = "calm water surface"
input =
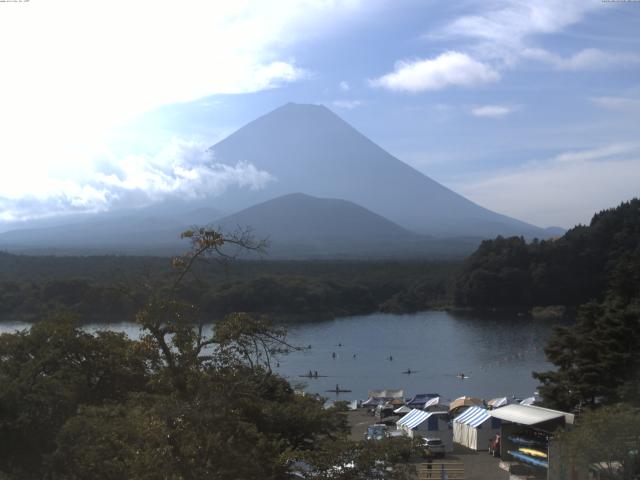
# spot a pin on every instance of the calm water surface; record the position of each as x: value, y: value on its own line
x: 498, y: 353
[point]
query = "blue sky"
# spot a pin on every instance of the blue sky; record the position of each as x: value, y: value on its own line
x: 529, y: 108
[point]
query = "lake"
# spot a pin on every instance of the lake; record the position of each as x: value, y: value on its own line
x: 497, y: 352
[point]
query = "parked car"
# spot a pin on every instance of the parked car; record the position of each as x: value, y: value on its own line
x: 434, y: 446
x: 375, y: 432
x: 384, y: 411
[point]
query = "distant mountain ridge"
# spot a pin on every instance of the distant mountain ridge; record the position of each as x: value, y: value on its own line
x: 300, y: 218
x: 299, y: 225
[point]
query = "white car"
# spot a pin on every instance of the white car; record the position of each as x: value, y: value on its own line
x: 433, y: 445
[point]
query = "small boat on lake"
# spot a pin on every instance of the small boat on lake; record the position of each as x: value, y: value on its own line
x: 338, y: 390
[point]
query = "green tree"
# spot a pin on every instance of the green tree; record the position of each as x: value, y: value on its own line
x: 597, y: 359
x: 608, y: 439
x: 47, y: 372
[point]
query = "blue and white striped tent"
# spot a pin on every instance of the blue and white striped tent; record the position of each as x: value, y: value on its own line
x: 475, y: 427
x: 412, y: 420
x: 418, y: 423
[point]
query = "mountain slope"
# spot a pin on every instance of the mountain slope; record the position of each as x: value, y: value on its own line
x: 299, y: 218
x: 299, y: 225
x: 307, y: 148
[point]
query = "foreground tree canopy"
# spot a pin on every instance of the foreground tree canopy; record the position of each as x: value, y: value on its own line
x: 606, y: 440
x: 183, y: 402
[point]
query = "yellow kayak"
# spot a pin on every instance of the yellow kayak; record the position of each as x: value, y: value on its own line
x: 532, y: 452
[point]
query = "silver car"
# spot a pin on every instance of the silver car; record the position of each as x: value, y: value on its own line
x: 434, y: 446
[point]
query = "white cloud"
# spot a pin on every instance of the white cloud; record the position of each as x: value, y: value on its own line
x: 182, y: 168
x: 617, y: 103
x: 587, y: 59
x: 75, y: 69
x: 344, y: 86
x: 493, y: 111
x: 347, y: 104
x: 511, y: 21
x: 600, y: 153
x: 564, y: 190
x: 595, y: 59
x: 448, y: 69
x: 505, y: 32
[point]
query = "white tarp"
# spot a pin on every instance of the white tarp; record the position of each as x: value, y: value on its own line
x: 498, y: 402
x: 474, y: 428
x: 387, y: 393
x: 530, y: 414
x: 432, y: 402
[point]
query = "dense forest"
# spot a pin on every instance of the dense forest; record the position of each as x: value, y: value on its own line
x: 113, y: 287
x: 580, y: 266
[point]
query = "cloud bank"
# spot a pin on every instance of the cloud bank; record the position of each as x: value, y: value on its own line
x: 181, y: 169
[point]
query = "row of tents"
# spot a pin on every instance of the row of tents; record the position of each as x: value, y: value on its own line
x: 433, y: 401
x: 466, y: 420
x: 473, y: 428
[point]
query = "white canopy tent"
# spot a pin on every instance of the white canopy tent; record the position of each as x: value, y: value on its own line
x: 474, y: 428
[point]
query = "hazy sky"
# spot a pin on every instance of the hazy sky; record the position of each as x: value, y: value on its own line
x: 529, y: 108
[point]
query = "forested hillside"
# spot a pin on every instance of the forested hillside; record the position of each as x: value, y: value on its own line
x: 112, y: 288
x: 580, y: 266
